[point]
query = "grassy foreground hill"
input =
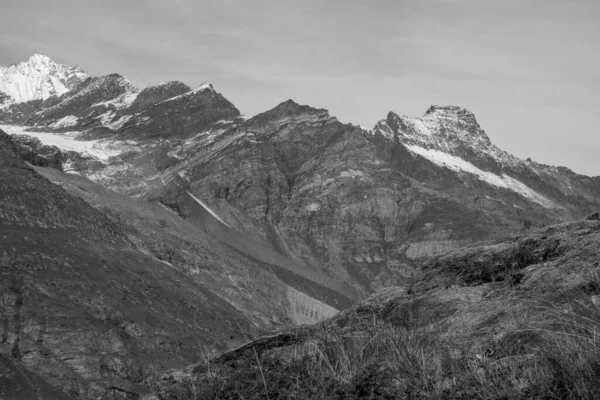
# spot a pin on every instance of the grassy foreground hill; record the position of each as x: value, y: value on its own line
x: 497, y: 320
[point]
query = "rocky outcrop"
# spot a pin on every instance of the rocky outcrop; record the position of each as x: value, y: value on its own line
x: 35, y: 153
x: 5, y: 100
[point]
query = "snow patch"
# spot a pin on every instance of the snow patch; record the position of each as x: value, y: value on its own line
x: 351, y: 173
x: 364, y: 128
x: 65, y: 122
x: 208, y: 209
x: 461, y: 166
x: 106, y: 120
x: 173, y: 154
x: 204, y: 86
x: 184, y: 175
x: 313, y: 207
x: 123, y: 101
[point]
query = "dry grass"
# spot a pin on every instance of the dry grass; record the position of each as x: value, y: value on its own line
x: 540, y: 350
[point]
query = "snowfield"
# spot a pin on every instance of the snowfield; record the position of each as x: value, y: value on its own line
x: 459, y: 165
x: 100, y: 149
x: 207, y: 208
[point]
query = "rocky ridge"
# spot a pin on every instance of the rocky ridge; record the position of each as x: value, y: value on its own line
x: 365, y: 206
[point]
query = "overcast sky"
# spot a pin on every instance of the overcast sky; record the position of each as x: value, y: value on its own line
x: 528, y: 69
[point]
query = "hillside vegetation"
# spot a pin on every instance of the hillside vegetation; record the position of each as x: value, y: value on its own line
x: 498, y: 320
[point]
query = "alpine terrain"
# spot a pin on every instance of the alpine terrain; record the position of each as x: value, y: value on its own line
x: 144, y: 229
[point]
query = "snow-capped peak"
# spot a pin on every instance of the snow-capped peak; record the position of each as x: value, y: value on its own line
x: 449, y: 129
x: 38, y: 78
x: 450, y: 137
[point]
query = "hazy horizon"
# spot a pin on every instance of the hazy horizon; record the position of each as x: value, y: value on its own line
x: 529, y: 70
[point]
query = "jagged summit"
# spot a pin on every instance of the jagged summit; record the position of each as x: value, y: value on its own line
x: 290, y: 112
x: 449, y: 136
x: 452, y: 112
x: 441, y: 127
x: 39, y: 78
x: 435, y: 108
x: 290, y: 107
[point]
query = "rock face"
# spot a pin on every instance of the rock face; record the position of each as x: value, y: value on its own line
x: 5, y: 100
x: 39, y: 78
x: 35, y: 153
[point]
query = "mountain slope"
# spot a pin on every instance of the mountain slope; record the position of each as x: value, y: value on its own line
x: 120, y: 288
x: 83, y: 307
x: 504, y: 319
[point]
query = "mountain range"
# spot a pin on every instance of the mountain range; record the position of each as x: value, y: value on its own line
x: 166, y: 221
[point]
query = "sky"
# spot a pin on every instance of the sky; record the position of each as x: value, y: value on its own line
x: 528, y: 69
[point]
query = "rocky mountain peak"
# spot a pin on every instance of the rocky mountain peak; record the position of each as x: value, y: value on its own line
x: 452, y: 113
x: 291, y: 108
x: 440, y: 127
x: 445, y: 131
